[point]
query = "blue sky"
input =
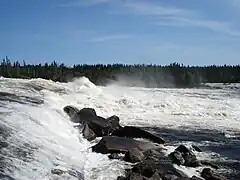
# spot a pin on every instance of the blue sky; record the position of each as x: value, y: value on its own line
x: 195, y: 32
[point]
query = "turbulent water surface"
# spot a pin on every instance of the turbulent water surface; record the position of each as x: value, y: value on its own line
x: 37, y: 138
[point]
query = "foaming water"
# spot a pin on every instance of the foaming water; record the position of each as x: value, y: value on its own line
x: 40, y: 138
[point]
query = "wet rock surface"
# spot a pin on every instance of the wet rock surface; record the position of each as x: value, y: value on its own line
x: 149, y: 162
x: 114, y: 144
x: 209, y: 174
x: 136, y: 132
x: 134, y: 155
x: 183, y: 156
x: 88, y: 133
x: 107, y: 126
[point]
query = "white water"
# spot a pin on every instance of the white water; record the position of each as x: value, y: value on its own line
x: 55, y: 143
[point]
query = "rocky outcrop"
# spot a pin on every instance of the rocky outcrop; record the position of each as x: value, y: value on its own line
x: 149, y: 163
x: 149, y: 170
x: 107, y: 127
x: 153, y: 164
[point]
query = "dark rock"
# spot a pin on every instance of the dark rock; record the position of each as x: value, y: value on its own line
x: 88, y: 133
x: 153, y: 152
x: 86, y: 114
x: 155, y: 176
x: 163, y: 163
x: 57, y: 171
x: 146, y: 168
x: 156, y: 155
x: 72, y: 111
x: 134, y: 155
x: 113, y: 144
x: 99, y: 125
x: 191, y: 160
x: 182, y: 149
x: 196, y: 148
x: 110, y: 126
x: 102, y: 126
x: 136, y: 132
x: 157, y: 166
x: 208, y: 174
x: 114, y: 122
x: 79, y: 116
x: 177, y: 157
x: 183, y: 156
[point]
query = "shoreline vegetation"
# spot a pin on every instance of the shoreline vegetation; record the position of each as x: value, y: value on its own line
x: 151, y: 75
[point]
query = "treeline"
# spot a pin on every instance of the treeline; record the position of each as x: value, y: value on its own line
x: 174, y: 74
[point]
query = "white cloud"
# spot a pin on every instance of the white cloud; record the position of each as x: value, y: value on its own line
x: 171, y: 16
x: 155, y: 9
x: 110, y: 37
x: 165, y: 15
x: 217, y: 26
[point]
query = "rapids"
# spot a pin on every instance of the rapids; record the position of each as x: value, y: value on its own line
x: 37, y: 137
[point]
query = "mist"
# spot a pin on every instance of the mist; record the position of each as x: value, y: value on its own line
x: 144, y: 79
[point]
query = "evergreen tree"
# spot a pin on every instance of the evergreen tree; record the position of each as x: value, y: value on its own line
x: 152, y: 75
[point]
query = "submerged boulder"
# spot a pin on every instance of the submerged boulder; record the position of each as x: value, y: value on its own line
x: 72, y: 112
x: 136, y: 132
x: 114, y: 144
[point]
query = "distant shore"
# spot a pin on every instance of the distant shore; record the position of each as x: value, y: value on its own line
x: 173, y: 75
